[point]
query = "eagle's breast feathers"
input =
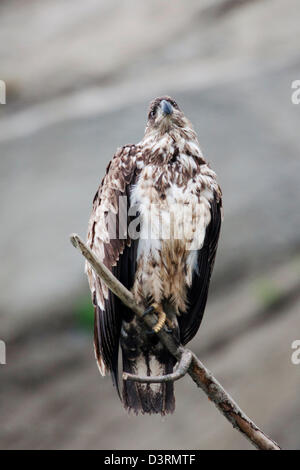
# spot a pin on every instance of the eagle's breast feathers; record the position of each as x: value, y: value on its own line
x: 172, y: 196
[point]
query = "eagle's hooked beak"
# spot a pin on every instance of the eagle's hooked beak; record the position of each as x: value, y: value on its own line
x: 166, y: 107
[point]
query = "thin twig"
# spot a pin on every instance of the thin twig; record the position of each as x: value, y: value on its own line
x: 198, y: 372
x: 180, y: 371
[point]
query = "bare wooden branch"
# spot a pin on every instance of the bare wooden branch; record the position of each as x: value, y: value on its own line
x: 179, y: 372
x: 198, y: 372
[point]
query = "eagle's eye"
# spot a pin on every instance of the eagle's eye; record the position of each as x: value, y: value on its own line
x: 174, y: 104
x: 152, y: 113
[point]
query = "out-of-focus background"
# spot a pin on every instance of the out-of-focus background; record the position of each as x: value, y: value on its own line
x: 79, y: 78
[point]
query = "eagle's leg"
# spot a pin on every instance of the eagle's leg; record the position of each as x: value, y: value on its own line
x: 161, y: 320
x: 162, y: 317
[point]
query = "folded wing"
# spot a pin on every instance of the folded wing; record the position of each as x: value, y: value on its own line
x: 190, y: 321
x: 107, y: 237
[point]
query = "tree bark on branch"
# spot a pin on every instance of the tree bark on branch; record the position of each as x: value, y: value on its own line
x: 188, y: 361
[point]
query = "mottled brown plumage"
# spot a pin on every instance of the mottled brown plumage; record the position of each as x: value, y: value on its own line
x: 175, y: 203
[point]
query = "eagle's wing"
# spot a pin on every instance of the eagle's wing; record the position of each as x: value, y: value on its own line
x: 118, y: 254
x: 189, y: 321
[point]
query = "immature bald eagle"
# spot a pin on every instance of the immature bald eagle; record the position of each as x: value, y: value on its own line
x: 171, y: 190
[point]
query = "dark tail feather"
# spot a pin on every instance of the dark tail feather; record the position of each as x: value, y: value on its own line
x: 149, y: 398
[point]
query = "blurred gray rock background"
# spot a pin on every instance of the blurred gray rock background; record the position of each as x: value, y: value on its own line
x: 79, y: 78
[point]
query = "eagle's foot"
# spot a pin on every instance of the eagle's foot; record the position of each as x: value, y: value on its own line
x: 169, y: 326
x: 148, y: 310
x: 160, y: 321
x: 162, y: 317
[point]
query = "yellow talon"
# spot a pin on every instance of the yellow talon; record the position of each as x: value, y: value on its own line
x: 161, y: 320
x: 162, y: 317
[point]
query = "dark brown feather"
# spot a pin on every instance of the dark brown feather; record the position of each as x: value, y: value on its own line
x: 189, y: 322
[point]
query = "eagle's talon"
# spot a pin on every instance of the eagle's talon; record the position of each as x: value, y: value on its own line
x: 168, y: 330
x: 148, y: 311
x: 161, y: 320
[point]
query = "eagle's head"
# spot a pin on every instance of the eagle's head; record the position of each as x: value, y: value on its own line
x: 165, y: 115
